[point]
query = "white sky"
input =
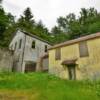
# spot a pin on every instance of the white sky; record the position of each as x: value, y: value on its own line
x: 49, y: 10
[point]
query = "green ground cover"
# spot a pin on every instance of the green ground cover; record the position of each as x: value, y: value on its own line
x: 42, y: 86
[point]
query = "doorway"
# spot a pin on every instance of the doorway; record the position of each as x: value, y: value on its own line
x: 15, y: 66
x: 30, y: 67
x: 72, y: 72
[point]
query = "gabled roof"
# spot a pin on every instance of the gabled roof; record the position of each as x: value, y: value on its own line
x: 35, y: 36
x: 88, y: 37
x: 31, y: 35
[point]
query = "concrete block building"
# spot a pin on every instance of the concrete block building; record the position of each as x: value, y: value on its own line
x: 27, y: 49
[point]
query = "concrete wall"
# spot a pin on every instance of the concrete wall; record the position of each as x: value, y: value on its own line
x: 33, y: 54
x: 45, y: 64
x: 5, y: 60
x: 87, y: 67
x: 17, y: 56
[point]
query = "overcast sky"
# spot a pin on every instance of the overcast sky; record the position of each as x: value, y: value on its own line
x: 49, y: 10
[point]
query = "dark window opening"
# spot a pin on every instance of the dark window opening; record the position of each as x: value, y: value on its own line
x: 58, y: 54
x: 72, y: 72
x: 46, y: 48
x: 15, y: 46
x: 33, y: 44
x: 30, y: 67
x: 83, y: 49
x: 20, y: 43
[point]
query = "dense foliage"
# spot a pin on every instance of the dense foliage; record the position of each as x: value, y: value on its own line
x: 69, y: 27
x: 87, y: 23
x: 6, y: 23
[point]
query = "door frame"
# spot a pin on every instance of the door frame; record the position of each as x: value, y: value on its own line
x: 71, y: 71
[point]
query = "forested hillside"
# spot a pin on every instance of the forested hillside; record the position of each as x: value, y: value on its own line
x: 68, y: 27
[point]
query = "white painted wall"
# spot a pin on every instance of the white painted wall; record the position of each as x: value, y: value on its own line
x: 30, y: 54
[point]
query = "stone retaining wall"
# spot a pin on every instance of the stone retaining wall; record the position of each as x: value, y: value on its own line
x: 6, y: 60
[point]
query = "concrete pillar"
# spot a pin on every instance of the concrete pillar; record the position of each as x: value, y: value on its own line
x: 39, y: 65
x: 23, y: 67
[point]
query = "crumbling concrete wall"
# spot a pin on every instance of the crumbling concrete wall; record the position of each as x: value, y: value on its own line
x: 6, y: 60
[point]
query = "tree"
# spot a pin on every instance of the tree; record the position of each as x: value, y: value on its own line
x: 26, y: 20
x: 0, y: 1
x: 69, y: 27
x: 56, y: 30
x: 6, y: 21
x: 28, y: 15
x: 62, y: 23
x: 40, y: 29
x: 84, y: 15
x: 87, y: 23
x: 27, y: 23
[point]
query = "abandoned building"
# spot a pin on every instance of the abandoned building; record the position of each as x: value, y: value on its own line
x: 76, y: 59
x: 28, y: 50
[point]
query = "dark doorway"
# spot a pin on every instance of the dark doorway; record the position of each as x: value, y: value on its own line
x: 72, y: 72
x: 14, y: 66
x: 30, y: 67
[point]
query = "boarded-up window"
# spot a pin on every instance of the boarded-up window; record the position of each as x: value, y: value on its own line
x: 58, y: 54
x: 83, y: 49
x: 33, y: 44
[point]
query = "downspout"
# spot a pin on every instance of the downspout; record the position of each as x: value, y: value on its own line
x: 23, y: 54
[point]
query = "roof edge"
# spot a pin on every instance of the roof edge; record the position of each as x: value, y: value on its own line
x: 70, y: 42
x: 35, y: 36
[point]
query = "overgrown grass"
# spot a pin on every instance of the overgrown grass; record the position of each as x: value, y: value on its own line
x: 42, y: 86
